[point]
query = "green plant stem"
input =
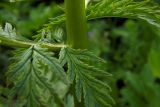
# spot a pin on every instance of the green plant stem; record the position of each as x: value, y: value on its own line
x: 76, y: 30
x: 25, y: 44
x: 76, y: 24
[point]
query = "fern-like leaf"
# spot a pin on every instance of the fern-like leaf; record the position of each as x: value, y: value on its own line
x: 34, y: 75
x: 81, y: 70
x: 144, y: 10
x: 10, y: 32
x: 55, y: 23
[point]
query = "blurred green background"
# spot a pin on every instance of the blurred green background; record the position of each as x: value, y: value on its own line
x: 130, y: 47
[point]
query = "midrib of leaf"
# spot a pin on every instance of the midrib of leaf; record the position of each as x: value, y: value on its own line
x: 22, y: 63
x: 30, y: 76
x: 51, y: 90
x: 54, y: 62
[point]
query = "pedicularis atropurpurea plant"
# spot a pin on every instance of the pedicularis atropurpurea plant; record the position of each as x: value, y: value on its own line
x: 63, y: 73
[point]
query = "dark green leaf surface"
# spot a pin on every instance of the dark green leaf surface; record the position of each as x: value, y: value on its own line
x: 35, y: 74
x: 95, y: 91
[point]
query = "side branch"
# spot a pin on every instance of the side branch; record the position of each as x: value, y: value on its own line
x: 25, y: 44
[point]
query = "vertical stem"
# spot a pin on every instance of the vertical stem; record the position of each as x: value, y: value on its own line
x: 76, y: 30
x: 76, y: 24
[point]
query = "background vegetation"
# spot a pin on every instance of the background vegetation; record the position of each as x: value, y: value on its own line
x: 130, y: 47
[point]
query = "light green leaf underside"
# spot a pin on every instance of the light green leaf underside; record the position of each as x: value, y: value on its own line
x: 81, y: 70
x: 144, y: 10
x: 34, y: 75
x: 10, y: 32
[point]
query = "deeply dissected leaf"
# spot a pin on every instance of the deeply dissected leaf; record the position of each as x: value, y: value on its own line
x: 35, y: 75
x: 141, y: 10
x: 10, y: 32
x: 81, y: 71
x: 9, y: 37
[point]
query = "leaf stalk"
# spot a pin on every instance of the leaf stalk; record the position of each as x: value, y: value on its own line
x: 25, y: 44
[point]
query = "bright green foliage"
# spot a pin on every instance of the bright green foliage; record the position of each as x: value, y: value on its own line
x: 57, y: 23
x: 9, y: 36
x: 144, y: 10
x: 127, y: 9
x: 10, y: 32
x: 35, y: 74
x: 81, y: 69
x: 38, y: 78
